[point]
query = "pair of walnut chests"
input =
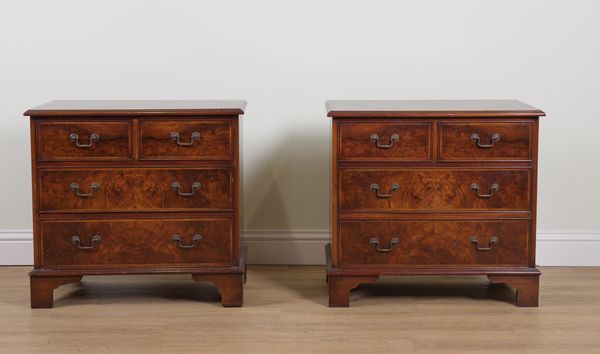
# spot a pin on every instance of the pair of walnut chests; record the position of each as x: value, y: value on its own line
x: 154, y: 187
x: 433, y: 187
x: 136, y: 187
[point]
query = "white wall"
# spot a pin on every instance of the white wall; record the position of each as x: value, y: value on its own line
x: 286, y: 58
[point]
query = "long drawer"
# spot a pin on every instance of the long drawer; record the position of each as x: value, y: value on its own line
x: 114, y: 243
x: 434, y: 242
x: 406, y: 189
x: 135, y: 189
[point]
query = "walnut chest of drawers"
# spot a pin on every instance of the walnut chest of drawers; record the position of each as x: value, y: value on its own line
x: 433, y: 187
x: 136, y: 187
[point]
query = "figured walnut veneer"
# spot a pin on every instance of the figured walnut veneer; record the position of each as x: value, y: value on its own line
x: 136, y: 187
x: 433, y: 187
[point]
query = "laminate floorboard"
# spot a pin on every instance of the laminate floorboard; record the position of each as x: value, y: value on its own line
x: 285, y: 311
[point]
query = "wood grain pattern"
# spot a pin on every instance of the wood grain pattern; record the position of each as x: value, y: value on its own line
x: 434, y: 242
x: 138, y: 242
x: 480, y: 174
x: 514, y: 144
x: 424, y: 315
x: 136, y: 189
x: 136, y: 108
x: 133, y: 206
x: 214, y: 143
x: 414, y: 143
x: 430, y: 108
x: 54, y: 143
x: 433, y: 189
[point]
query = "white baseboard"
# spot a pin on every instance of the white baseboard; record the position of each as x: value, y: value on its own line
x: 306, y: 247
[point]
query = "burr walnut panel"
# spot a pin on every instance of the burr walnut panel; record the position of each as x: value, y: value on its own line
x: 135, y: 189
x: 391, y: 141
x: 136, y: 242
x: 481, y: 141
x: 433, y: 187
x: 434, y: 242
x: 413, y: 189
x: 186, y: 139
x: 84, y: 141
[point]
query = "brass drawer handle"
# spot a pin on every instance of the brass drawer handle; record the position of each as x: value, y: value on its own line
x: 375, y: 188
x: 176, y: 186
x: 393, y: 139
x: 195, y: 239
x: 495, y: 188
x: 493, y: 140
x: 94, y: 138
x: 176, y: 138
x: 94, y: 187
x: 375, y: 242
x: 493, y: 240
x: 77, y: 242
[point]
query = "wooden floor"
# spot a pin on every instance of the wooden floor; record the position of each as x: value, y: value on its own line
x: 285, y: 312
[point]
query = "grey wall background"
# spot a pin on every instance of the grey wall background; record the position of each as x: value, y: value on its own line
x: 286, y: 58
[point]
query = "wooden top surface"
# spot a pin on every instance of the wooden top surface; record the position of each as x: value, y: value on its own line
x: 431, y: 108
x: 138, y: 108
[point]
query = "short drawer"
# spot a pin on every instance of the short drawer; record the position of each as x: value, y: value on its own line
x: 186, y: 139
x: 114, y: 243
x: 385, y: 141
x: 83, y: 140
x: 481, y: 141
x: 135, y: 189
x: 434, y: 242
x: 398, y: 189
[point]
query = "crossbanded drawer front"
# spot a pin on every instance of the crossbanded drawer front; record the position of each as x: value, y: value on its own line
x: 135, y: 189
x: 480, y: 141
x: 186, y: 140
x: 397, y: 189
x: 114, y: 243
x: 84, y: 141
x: 434, y: 242
x: 385, y: 141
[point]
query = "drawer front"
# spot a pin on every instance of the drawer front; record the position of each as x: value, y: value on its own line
x: 84, y: 141
x: 385, y: 141
x: 479, y: 141
x: 111, y: 243
x: 186, y: 140
x: 135, y: 189
x: 434, y: 189
x: 434, y: 242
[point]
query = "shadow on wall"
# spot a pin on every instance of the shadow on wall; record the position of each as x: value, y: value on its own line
x: 287, y: 193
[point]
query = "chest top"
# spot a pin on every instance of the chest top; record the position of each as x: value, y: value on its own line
x: 431, y: 108
x: 98, y: 108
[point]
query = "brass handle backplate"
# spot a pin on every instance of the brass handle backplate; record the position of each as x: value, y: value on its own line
x: 375, y: 188
x: 195, y: 239
x: 375, y: 242
x: 393, y: 139
x: 175, y: 136
x: 176, y: 186
x: 94, y: 138
x: 94, y: 187
x: 495, y: 188
x: 493, y: 240
x: 77, y: 242
x: 493, y: 140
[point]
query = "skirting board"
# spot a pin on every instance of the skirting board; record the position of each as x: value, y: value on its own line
x: 306, y: 247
